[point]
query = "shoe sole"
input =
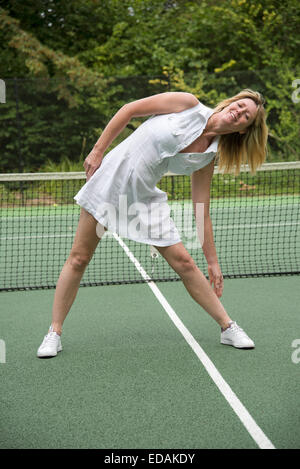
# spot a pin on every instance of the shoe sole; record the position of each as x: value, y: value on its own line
x: 236, y: 346
x: 49, y: 356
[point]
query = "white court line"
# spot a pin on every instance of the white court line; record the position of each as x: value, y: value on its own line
x: 216, y: 228
x: 254, y: 430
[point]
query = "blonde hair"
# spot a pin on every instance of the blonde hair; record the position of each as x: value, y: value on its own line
x: 235, y: 150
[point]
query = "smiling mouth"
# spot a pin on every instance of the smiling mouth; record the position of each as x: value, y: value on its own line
x: 233, y: 115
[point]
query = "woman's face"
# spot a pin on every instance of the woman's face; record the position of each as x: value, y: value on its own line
x: 238, y: 115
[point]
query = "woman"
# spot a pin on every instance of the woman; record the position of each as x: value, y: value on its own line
x: 182, y: 136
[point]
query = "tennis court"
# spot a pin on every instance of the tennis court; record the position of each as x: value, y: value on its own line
x: 142, y: 366
x: 256, y: 223
x: 127, y: 377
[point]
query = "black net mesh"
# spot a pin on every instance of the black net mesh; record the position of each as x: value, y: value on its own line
x: 255, y: 220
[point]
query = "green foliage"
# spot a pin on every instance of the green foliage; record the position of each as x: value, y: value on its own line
x: 91, y: 57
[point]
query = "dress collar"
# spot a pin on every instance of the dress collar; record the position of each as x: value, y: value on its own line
x: 206, y: 112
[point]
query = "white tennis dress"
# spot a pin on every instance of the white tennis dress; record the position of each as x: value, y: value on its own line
x: 122, y: 194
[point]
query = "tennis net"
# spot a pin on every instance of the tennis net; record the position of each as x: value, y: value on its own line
x: 255, y: 220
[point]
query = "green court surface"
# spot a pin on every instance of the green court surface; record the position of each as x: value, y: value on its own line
x: 127, y: 378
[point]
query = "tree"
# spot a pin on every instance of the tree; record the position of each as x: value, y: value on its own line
x: 93, y: 56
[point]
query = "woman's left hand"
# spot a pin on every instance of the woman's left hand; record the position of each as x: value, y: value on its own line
x: 216, y: 278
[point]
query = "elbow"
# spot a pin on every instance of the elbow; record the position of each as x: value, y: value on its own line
x: 126, y: 111
x: 191, y: 99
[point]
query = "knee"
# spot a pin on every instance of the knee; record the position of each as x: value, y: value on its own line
x: 79, y: 260
x: 185, y: 265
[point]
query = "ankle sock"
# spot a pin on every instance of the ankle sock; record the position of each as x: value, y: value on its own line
x: 51, y: 330
x: 231, y: 322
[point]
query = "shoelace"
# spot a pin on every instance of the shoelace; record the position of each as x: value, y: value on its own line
x: 237, y: 329
x: 50, y: 338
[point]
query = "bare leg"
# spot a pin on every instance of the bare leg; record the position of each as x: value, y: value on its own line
x: 195, y: 282
x: 84, y: 245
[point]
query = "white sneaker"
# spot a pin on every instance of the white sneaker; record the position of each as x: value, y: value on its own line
x: 235, y: 336
x: 50, y: 346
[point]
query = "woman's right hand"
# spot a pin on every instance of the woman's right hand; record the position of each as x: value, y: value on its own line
x: 92, y: 163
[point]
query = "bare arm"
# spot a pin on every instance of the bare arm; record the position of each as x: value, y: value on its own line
x: 201, y: 182
x: 163, y: 103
